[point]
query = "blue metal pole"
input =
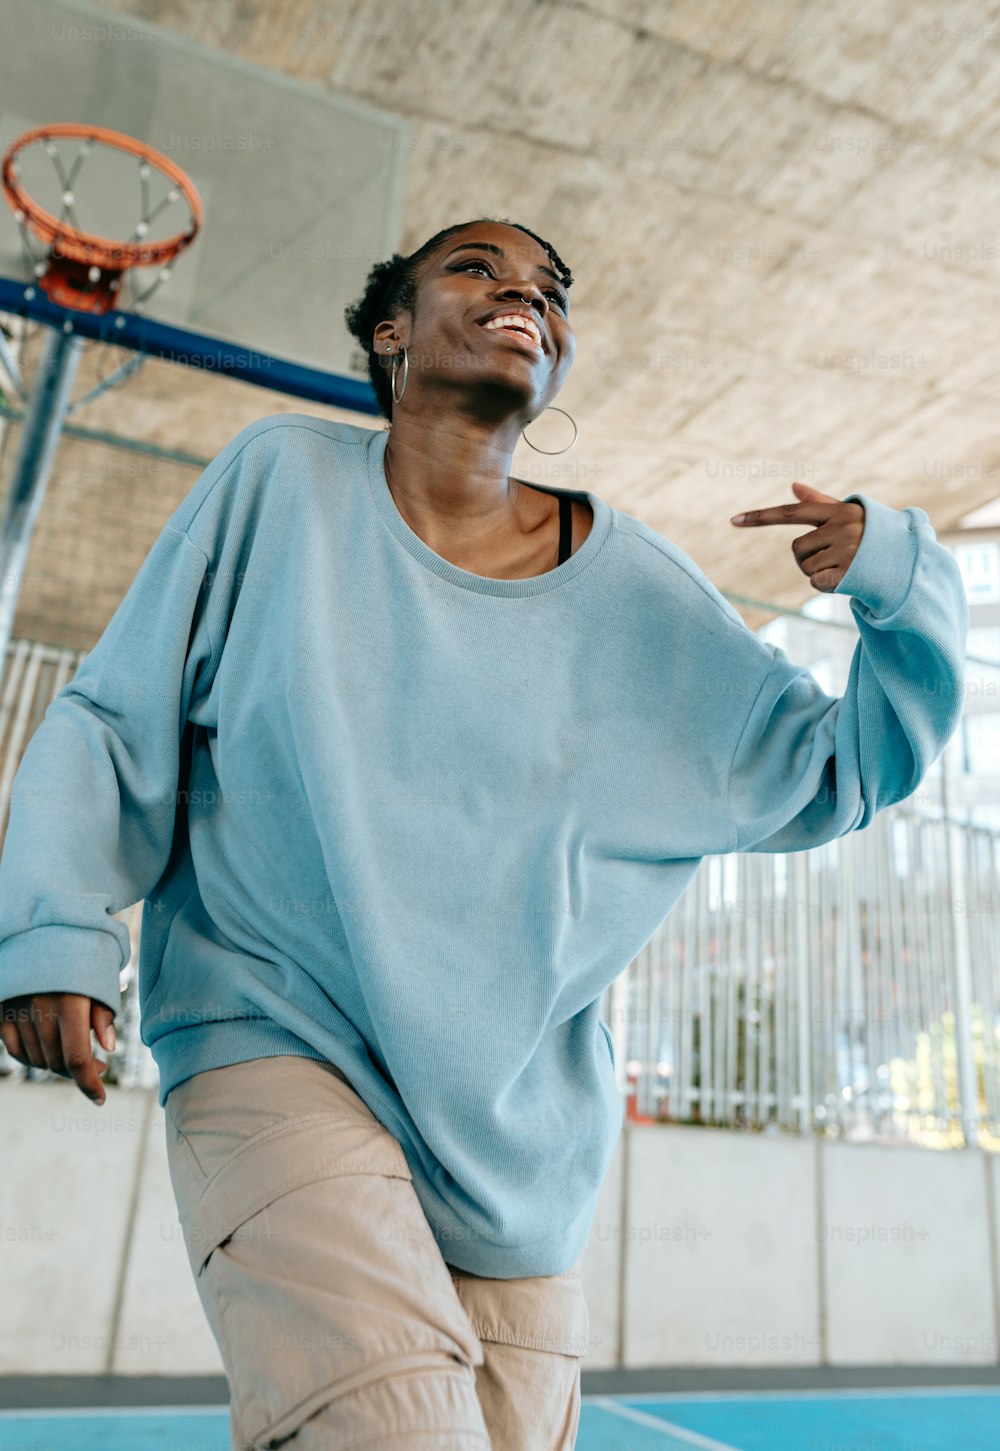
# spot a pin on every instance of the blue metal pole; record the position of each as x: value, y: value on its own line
x: 192, y: 349
x: 39, y: 437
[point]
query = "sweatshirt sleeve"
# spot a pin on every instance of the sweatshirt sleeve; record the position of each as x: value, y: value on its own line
x: 809, y: 767
x: 93, y: 802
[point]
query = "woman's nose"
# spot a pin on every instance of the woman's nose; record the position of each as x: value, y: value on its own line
x: 528, y: 294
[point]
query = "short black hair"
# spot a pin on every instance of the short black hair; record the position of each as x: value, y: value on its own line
x: 391, y: 287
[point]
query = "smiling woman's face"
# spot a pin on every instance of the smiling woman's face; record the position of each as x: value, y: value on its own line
x: 475, y: 276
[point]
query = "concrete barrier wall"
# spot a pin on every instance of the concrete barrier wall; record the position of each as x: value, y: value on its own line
x: 751, y: 1250
x: 709, y: 1248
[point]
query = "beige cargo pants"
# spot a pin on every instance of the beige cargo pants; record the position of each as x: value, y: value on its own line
x: 339, y: 1323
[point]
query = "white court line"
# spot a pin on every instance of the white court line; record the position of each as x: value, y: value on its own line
x: 679, y: 1433
x: 791, y: 1395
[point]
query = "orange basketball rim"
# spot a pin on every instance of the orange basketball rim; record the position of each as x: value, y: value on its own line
x: 77, y: 258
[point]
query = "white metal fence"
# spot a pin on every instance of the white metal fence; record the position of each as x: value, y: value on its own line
x: 853, y: 989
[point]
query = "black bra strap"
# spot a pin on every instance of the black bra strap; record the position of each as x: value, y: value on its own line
x: 565, y: 527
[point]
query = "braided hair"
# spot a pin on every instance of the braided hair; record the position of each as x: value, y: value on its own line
x: 391, y: 287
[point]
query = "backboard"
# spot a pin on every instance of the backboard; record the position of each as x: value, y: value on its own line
x: 302, y: 191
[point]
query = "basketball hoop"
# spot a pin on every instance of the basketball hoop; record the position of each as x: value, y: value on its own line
x: 80, y: 269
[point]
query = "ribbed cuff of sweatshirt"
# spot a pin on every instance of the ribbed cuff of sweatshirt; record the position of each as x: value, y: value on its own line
x: 881, y: 572
x: 57, y: 959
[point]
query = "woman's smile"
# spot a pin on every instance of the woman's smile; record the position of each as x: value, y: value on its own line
x: 516, y: 335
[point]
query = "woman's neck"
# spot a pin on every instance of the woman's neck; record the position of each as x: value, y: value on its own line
x: 450, y: 481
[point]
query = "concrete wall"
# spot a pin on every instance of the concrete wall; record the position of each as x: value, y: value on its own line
x: 709, y: 1248
x: 712, y: 1248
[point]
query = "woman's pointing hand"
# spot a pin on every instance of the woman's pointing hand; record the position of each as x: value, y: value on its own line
x: 824, y: 554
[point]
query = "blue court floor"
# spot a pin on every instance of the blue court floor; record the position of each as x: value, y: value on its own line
x: 965, y: 1418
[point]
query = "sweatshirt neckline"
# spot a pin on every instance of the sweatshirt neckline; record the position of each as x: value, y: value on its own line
x: 465, y: 579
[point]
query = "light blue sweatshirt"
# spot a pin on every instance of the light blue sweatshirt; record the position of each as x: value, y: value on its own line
x: 412, y: 821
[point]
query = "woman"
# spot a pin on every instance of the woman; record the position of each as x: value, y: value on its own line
x: 408, y: 762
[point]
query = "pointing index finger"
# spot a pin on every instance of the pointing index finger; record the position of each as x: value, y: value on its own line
x: 811, y: 512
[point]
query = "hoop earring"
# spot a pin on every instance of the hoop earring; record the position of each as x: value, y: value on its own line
x: 553, y: 450
x: 406, y: 372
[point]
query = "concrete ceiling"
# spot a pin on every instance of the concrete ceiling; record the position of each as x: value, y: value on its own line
x: 783, y: 220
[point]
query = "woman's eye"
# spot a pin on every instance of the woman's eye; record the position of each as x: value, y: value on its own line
x: 476, y: 262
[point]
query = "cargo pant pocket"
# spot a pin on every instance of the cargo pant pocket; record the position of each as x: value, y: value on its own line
x: 316, y: 1268
x: 535, y: 1333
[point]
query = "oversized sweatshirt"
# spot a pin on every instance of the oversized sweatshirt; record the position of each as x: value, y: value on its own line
x: 413, y: 821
